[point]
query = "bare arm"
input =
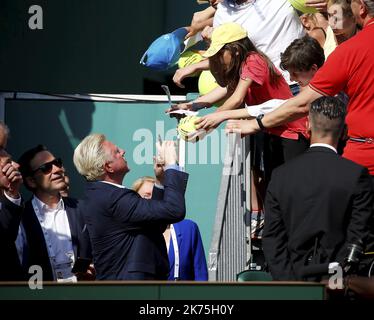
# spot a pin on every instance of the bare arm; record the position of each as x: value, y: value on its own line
x: 318, y: 4
x: 182, y: 73
x: 295, y: 108
x: 213, y: 96
x: 207, y: 100
x: 200, y: 20
x: 226, y: 111
x: 237, y: 98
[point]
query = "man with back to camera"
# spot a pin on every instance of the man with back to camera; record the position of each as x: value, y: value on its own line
x: 317, y: 204
x: 125, y: 229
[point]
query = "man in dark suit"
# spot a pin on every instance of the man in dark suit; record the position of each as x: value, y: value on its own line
x: 55, y: 232
x: 126, y: 230
x: 317, y: 204
x: 11, y: 209
x: 183, y: 241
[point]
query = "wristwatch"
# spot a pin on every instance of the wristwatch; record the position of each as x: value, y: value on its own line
x: 259, y: 121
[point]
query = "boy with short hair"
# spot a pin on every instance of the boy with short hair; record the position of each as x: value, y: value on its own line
x: 302, y: 58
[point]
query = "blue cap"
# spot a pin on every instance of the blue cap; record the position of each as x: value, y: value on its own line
x: 165, y: 51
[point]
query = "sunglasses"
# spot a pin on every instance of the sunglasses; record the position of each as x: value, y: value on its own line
x: 47, y: 167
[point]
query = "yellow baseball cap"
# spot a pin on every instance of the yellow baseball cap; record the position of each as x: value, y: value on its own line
x: 223, y: 34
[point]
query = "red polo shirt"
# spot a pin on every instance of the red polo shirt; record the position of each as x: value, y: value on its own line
x: 350, y: 68
x: 262, y: 90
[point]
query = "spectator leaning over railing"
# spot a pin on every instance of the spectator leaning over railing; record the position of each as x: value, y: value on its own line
x: 350, y: 68
x: 271, y: 26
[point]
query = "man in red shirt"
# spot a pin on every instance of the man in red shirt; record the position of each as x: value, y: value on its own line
x: 350, y: 68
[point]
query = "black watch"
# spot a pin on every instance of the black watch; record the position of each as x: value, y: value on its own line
x: 259, y: 121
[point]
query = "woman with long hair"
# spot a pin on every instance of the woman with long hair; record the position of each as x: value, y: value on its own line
x: 246, y: 75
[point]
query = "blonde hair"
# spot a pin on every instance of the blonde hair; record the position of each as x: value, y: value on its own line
x: 90, y: 157
x: 139, y: 182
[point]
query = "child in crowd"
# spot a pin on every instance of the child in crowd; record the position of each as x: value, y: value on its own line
x: 341, y: 20
x: 302, y: 59
x: 246, y: 75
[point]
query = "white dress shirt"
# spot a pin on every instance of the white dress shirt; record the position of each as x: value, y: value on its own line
x: 271, y: 25
x: 114, y: 184
x: 16, y: 201
x: 56, y: 230
x: 323, y: 145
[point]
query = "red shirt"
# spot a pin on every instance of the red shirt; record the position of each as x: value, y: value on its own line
x: 350, y: 68
x: 261, y: 90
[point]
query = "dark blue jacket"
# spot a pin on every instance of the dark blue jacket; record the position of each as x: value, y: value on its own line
x: 36, y: 245
x: 10, y: 217
x: 126, y: 230
x: 192, y: 263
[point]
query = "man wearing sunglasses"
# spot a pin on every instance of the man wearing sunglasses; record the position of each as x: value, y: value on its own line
x: 55, y: 232
x: 11, y: 209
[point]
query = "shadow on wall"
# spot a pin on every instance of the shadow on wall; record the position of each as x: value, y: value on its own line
x: 59, y: 125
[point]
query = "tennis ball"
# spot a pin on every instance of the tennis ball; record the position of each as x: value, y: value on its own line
x: 186, y: 126
x: 207, y: 82
x: 300, y: 5
x: 189, y: 57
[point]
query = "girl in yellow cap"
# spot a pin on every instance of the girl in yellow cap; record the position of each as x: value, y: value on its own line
x: 246, y: 75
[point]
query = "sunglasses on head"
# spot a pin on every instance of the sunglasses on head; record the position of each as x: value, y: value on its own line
x: 47, y: 167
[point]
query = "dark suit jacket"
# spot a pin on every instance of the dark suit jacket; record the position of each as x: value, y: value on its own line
x: 10, y: 217
x: 126, y: 230
x: 315, y: 206
x: 36, y: 245
x: 192, y: 263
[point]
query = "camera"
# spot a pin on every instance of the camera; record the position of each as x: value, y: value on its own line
x: 351, y: 261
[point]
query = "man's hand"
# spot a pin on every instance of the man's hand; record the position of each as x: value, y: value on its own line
x: 182, y: 73
x: 244, y: 127
x: 180, y: 106
x: 206, y: 34
x: 13, y: 178
x: 159, y: 171
x: 317, y: 4
x: 170, y: 153
x: 200, y: 20
x: 210, y: 121
x: 89, y: 275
